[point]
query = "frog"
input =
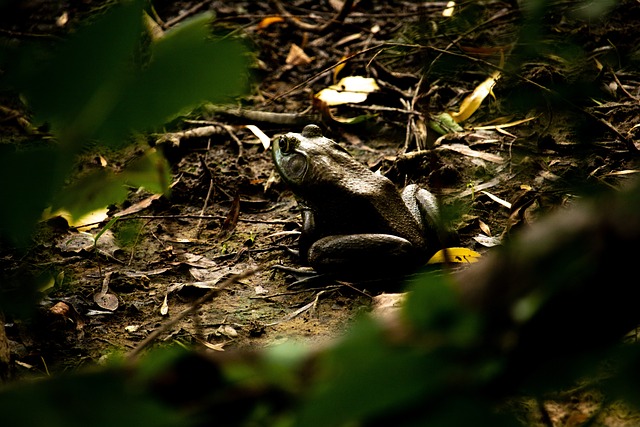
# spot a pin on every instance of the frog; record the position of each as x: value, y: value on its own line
x: 355, y: 222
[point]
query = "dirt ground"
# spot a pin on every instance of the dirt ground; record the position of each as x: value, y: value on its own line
x: 580, y: 93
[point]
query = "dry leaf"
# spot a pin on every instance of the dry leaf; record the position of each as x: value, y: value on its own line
x: 106, y: 301
x: 384, y: 302
x: 84, y: 223
x: 137, y: 207
x: 488, y: 241
x: 485, y: 228
x: 259, y: 290
x: 336, y: 4
x: 464, y: 149
x: 164, y: 309
x: 76, y: 243
x: 227, y: 331
x: 297, y: 56
x: 505, y: 125
x: 497, y: 199
x: 338, y: 68
x: 335, y: 97
x: 264, y: 139
x: 214, y: 347
x: 231, y: 220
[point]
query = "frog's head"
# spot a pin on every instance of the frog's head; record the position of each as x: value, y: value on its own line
x: 308, y: 158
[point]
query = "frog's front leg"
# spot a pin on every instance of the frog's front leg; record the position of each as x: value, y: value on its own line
x: 308, y: 234
x: 363, y: 255
x: 423, y: 206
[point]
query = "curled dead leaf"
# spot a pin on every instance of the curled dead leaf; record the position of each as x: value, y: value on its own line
x: 297, y: 56
x: 472, y: 102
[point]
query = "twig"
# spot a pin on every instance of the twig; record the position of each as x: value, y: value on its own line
x: 621, y: 86
x: 218, y: 217
x: 312, y: 305
x: 236, y: 139
x: 175, y: 137
x: 337, y: 19
x: 171, y: 22
x: 133, y: 354
x: 288, y: 119
x: 301, y: 291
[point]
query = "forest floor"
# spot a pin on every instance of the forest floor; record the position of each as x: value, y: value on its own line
x: 559, y: 126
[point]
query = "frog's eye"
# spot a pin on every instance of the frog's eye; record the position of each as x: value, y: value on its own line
x: 287, y: 144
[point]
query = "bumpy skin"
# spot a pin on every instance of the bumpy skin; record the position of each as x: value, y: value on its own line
x: 355, y: 222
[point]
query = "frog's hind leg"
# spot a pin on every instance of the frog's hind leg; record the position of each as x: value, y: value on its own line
x: 363, y: 255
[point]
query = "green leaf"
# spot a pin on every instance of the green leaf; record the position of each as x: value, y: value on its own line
x: 101, y: 399
x: 102, y: 188
x: 77, y: 84
x: 186, y: 69
x: 367, y: 377
x: 433, y: 308
x: 28, y: 181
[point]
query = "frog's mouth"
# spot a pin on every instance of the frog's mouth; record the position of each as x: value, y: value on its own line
x: 291, y: 164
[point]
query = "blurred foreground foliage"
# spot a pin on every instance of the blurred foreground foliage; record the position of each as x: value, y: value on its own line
x: 107, y: 80
x: 439, y: 368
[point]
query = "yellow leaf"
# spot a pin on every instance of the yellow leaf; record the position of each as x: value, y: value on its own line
x: 268, y: 21
x: 91, y: 219
x: 472, y: 102
x: 338, y: 68
x: 356, y: 84
x: 334, y: 97
x: 354, y: 90
x: 449, y: 9
x: 455, y: 255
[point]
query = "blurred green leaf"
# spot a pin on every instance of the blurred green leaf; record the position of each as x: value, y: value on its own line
x: 186, y: 69
x: 28, y: 181
x: 104, y: 187
x: 77, y: 84
x: 100, y: 399
x: 365, y: 377
x: 433, y: 306
x: 96, y: 86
